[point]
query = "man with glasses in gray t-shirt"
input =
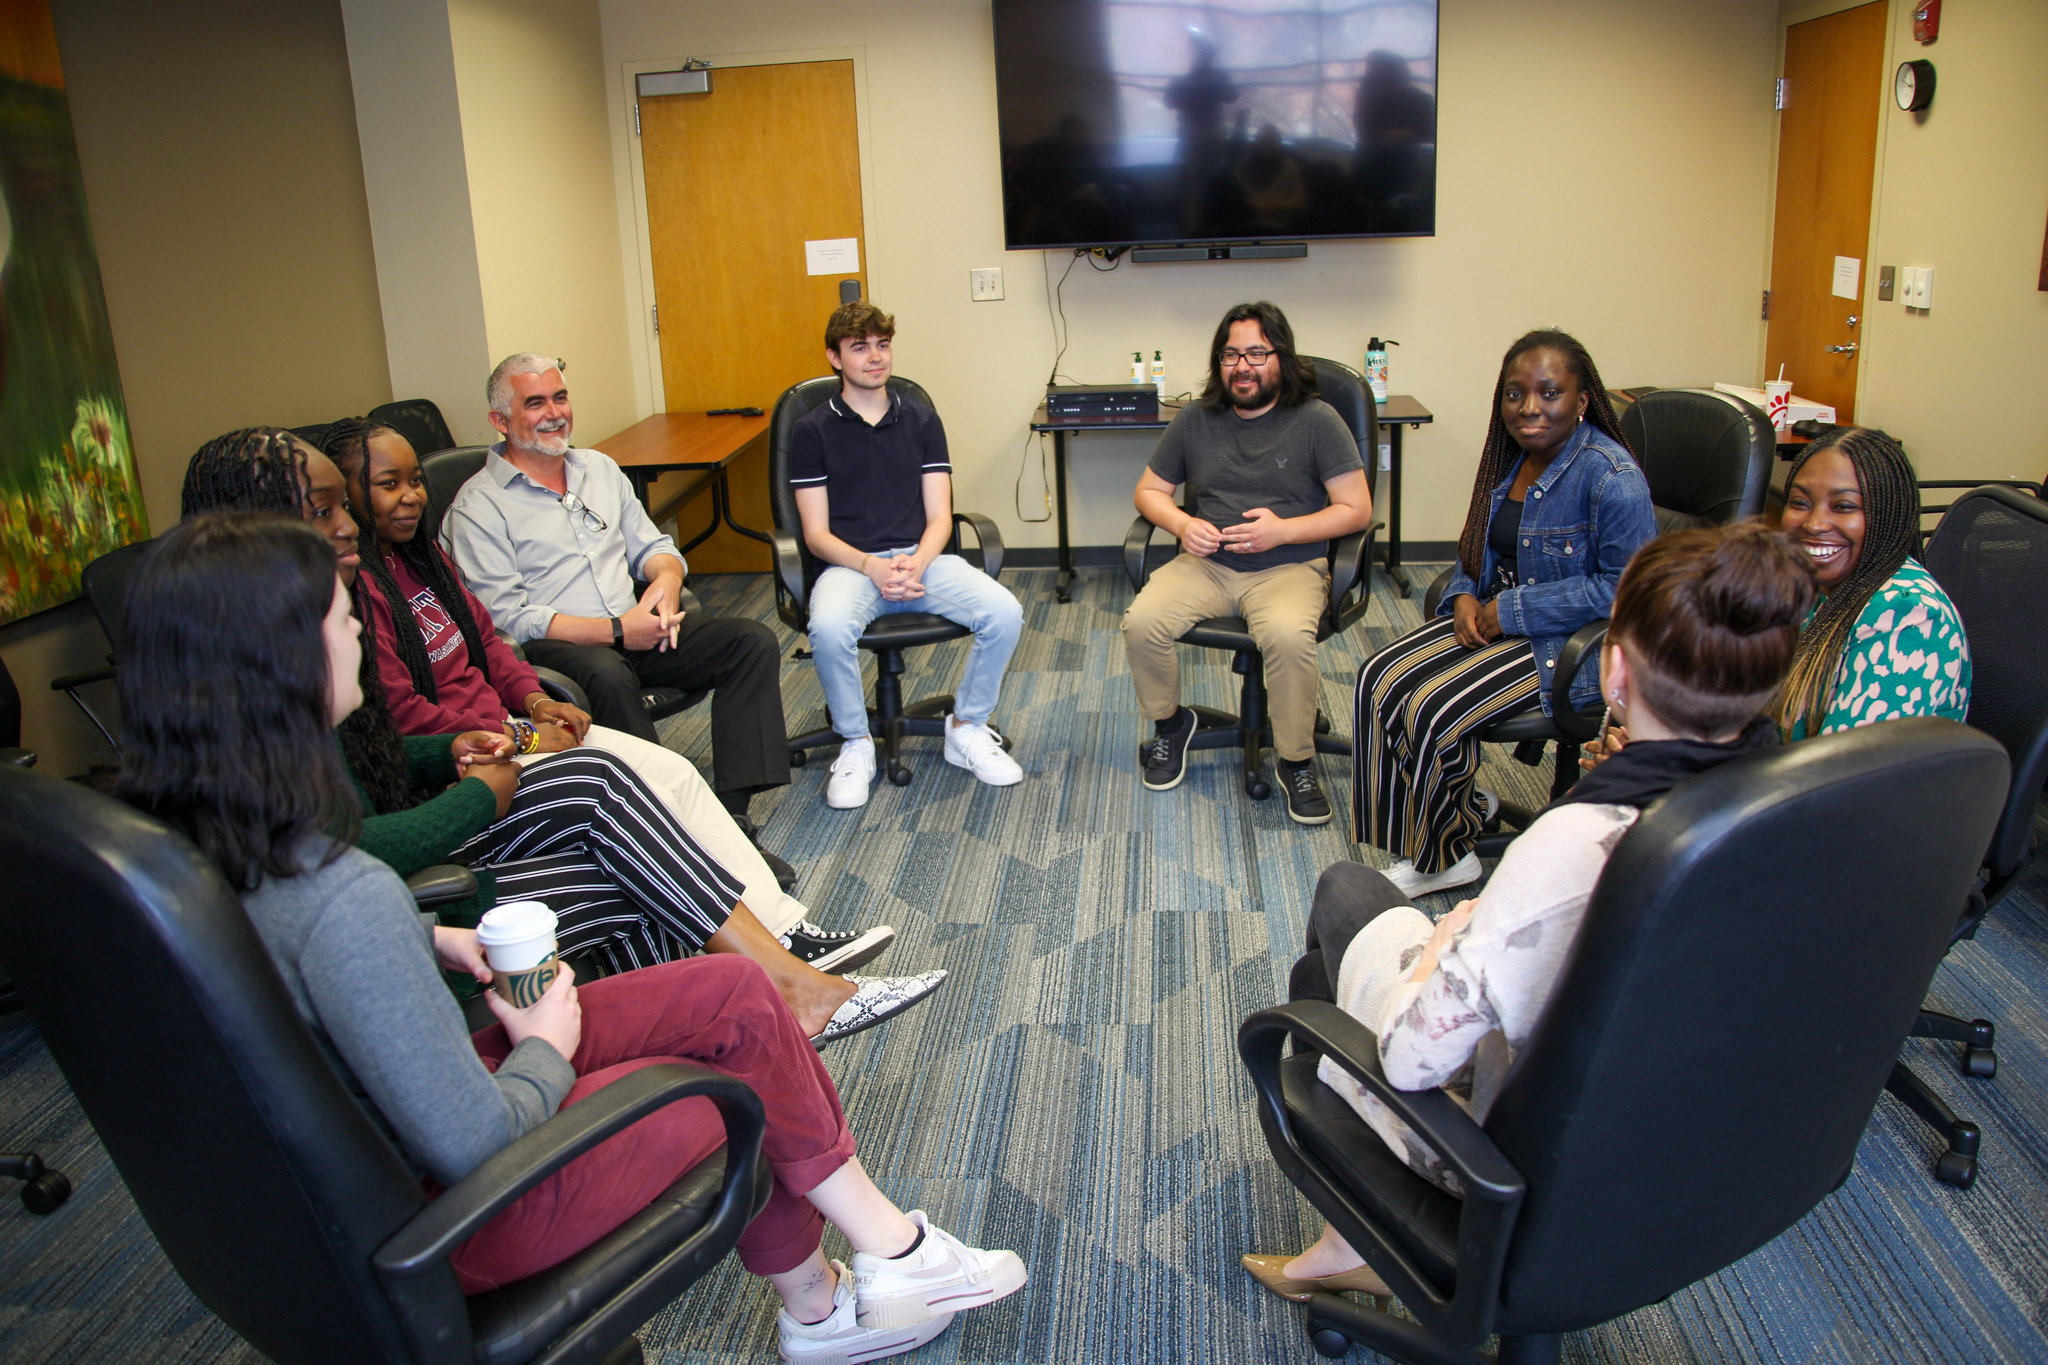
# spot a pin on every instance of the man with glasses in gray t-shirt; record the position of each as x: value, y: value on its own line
x: 1273, y: 475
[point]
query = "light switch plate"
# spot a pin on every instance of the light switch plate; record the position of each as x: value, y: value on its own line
x: 1926, y: 288
x: 985, y: 284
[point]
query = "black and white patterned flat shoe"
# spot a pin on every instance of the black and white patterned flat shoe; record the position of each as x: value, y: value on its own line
x: 837, y: 952
x: 876, y: 998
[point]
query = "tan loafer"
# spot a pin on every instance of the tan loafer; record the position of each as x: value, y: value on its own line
x: 1266, y: 1270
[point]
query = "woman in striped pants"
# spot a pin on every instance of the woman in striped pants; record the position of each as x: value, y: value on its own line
x: 1557, y: 509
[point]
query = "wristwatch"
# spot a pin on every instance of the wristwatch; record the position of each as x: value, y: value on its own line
x: 618, y: 633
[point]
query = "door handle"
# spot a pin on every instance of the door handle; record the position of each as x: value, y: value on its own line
x: 1848, y: 348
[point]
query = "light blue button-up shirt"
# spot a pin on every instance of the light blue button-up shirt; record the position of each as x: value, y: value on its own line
x: 527, y: 556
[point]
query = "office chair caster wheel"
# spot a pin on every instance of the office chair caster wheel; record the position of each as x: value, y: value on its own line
x: 799, y: 757
x: 899, y: 774
x: 1330, y: 1343
x: 1258, y: 789
x: 1956, y: 1169
x: 44, y: 1189
x: 1980, y: 1063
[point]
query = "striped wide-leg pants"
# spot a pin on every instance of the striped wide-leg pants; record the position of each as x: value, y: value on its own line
x: 587, y: 836
x: 1421, y: 705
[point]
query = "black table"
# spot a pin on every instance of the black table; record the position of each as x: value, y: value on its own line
x: 1061, y: 427
x: 1400, y: 410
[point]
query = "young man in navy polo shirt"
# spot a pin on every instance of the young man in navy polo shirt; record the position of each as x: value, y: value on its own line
x: 874, y: 488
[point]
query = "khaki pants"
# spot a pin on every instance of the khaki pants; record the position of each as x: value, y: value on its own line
x: 1281, y: 606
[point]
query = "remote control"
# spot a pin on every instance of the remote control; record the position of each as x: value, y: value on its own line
x: 734, y: 412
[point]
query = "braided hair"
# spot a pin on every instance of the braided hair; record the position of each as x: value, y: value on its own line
x: 1891, y: 536
x: 347, y: 443
x: 263, y: 469
x: 1500, y: 453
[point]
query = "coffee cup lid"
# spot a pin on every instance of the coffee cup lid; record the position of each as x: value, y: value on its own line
x: 515, y: 922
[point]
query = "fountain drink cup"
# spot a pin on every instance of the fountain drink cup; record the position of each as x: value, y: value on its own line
x: 1778, y: 403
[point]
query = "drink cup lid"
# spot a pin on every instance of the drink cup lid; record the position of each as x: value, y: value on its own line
x: 516, y: 922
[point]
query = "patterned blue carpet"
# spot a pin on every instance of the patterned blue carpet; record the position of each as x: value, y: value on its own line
x: 1073, y: 1091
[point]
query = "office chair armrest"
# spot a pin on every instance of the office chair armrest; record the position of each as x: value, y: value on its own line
x: 441, y: 883
x: 18, y: 758
x: 518, y: 649
x: 562, y: 687
x: 70, y: 684
x: 2012, y: 839
x: 487, y: 1191
x: 1351, y: 576
x: 1137, y: 542
x: 987, y: 536
x: 789, y: 570
x: 688, y: 602
x: 1494, y: 1189
x: 1433, y: 595
x: 1570, y: 722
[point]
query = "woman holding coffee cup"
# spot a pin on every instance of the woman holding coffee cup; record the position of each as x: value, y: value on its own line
x: 582, y: 831
x: 248, y: 773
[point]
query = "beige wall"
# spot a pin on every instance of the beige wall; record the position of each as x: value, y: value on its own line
x: 538, y: 146
x: 218, y: 143
x: 1961, y: 188
x: 1604, y: 169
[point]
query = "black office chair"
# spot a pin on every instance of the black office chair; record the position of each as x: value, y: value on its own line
x: 419, y: 421
x: 1707, y: 458
x: 886, y: 637
x: 104, y: 583
x: 446, y: 471
x: 1990, y: 555
x: 1648, y: 1133
x: 281, y: 1204
x: 1350, y: 564
x: 42, y: 1189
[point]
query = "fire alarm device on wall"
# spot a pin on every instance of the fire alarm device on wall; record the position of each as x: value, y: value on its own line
x: 1926, y: 21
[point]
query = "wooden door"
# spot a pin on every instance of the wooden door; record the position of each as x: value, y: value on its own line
x: 1827, y: 161
x: 737, y: 181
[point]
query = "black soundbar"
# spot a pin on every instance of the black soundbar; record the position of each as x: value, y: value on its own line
x: 1222, y: 251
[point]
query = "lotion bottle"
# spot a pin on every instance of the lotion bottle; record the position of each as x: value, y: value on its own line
x: 1158, y: 374
x: 1376, y: 367
x: 1138, y: 367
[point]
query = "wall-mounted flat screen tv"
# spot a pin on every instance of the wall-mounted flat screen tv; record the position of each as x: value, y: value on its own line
x: 1150, y: 122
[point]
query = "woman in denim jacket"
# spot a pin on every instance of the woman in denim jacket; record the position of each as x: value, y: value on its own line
x: 1557, y: 509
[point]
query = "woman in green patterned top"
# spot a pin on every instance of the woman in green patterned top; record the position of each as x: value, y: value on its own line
x: 1883, y: 641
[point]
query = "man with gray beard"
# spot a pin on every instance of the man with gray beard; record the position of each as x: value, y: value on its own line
x: 552, y: 538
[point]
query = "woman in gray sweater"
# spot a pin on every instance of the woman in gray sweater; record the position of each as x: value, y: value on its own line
x: 241, y: 655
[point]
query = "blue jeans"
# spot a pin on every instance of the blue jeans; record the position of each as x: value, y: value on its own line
x: 844, y: 601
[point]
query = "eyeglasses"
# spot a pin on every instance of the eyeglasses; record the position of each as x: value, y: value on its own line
x: 591, y: 520
x: 1257, y: 355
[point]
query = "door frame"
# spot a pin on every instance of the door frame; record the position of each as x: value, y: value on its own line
x: 1820, y: 10
x: 649, y: 389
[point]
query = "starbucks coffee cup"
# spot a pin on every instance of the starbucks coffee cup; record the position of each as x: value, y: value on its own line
x: 518, y: 939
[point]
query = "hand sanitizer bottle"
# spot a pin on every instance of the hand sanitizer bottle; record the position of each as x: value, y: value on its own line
x: 1137, y: 367
x: 1158, y: 375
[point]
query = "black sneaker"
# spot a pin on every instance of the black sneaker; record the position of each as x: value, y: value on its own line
x: 1163, y: 759
x: 834, y: 952
x: 785, y: 875
x: 1306, y: 804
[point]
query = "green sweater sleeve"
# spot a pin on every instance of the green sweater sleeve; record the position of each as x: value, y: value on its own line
x: 429, y: 760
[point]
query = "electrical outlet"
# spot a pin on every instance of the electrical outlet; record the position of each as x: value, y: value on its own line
x: 986, y: 284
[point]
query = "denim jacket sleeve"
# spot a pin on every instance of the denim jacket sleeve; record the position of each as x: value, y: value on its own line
x: 1619, y: 519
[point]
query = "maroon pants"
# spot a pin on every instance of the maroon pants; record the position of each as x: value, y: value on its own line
x: 720, y: 1012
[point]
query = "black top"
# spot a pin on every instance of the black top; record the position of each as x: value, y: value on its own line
x: 873, y: 475
x: 1504, y: 538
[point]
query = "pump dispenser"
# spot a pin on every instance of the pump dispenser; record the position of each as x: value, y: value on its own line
x: 1158, y: 374
x: 1138, y: 367
x: 1376, y: 367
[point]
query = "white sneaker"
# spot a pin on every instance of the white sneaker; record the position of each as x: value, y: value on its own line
x: 941, y: 1277
x: 1489, y: 805
x: 1411, y: 883
x: 839, y: 1340
x: 976, y: 748
x: 853, y: 774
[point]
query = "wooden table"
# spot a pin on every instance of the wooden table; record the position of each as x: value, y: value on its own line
x: 670, y: 441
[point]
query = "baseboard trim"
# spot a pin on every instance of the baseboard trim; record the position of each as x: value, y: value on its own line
x: 1112, y: 556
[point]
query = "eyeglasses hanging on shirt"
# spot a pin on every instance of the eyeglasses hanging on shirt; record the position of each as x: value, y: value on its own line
x: 591, y: 520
